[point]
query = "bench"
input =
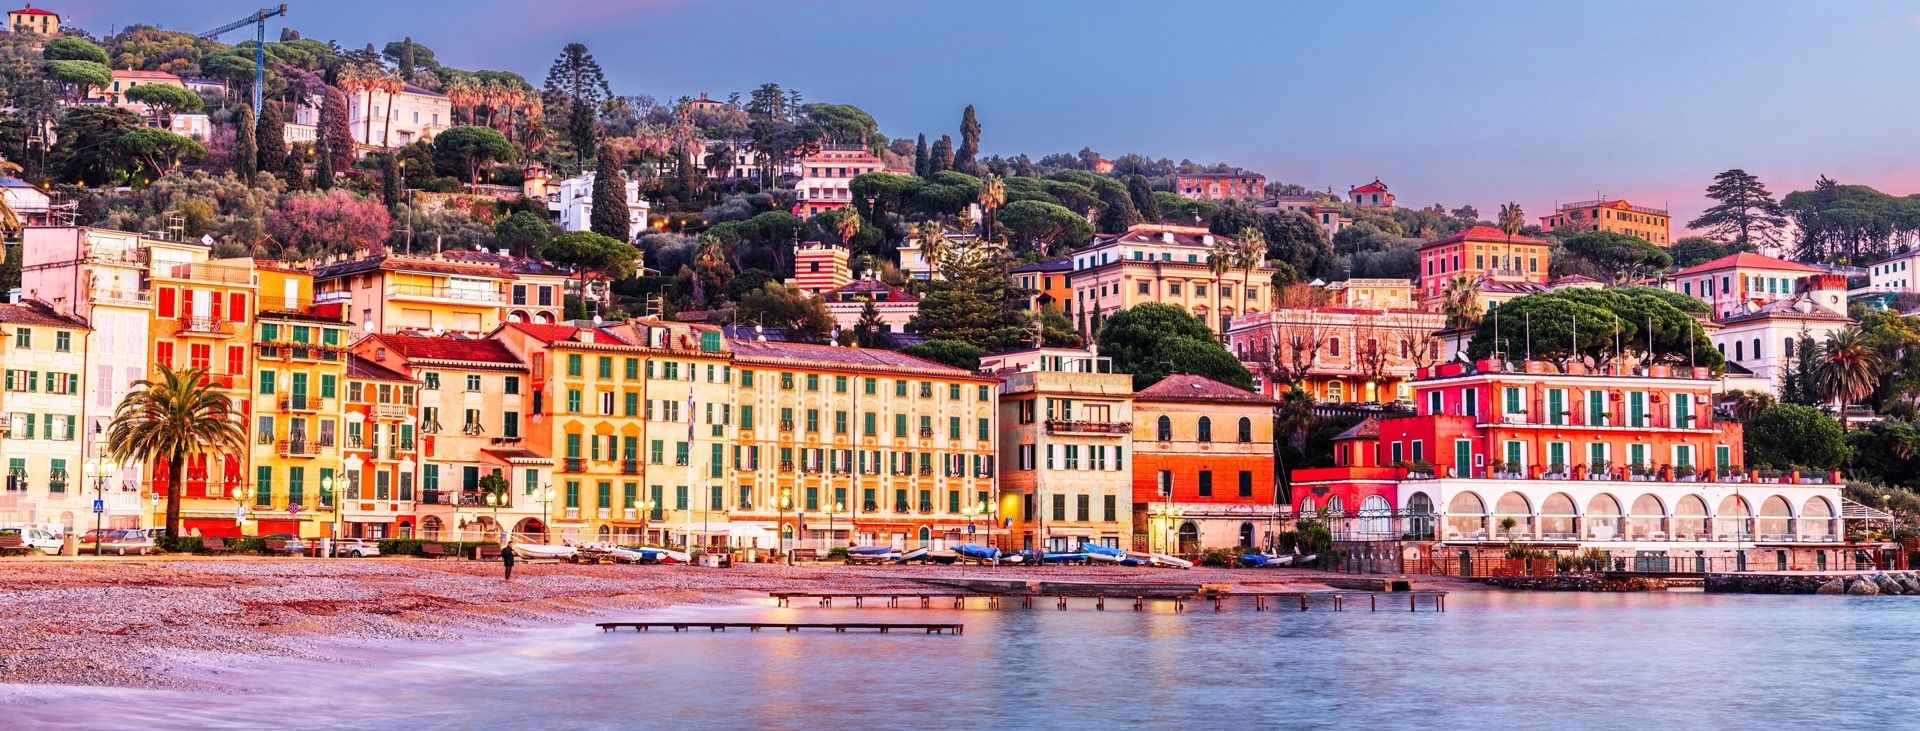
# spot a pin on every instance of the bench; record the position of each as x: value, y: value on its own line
x: 278, y: 547
x: 212, y: 544
x: 486, y: 552
x: 806, y: 554
x: 432, y: 550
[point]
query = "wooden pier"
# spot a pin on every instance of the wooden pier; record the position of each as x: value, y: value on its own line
x: 882, y: 627
x: 1262, y: 600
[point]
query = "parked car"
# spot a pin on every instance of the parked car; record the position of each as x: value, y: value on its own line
x: 295, y: 544
x: 117, y: 542
x: 35, y: 537
x: 356, y: 547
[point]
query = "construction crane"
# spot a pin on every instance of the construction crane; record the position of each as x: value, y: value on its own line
x: 259, y: 21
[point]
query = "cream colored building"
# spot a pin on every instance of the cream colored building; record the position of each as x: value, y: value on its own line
x: 1164, y: 264
x: 46, y: 442
x: 380, y: 120
x: 388, y: 293
x: 1066, y: 438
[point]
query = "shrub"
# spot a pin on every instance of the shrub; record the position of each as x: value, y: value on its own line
x: 180, y: 544
x: 400, y: 546
x: 247, y: 544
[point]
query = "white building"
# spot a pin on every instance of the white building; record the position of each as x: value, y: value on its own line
x: 397, y: 119
x: 895, y: 306
x: 572, y: 199
x: 825, y: 176
x: 32, y: 203
x: 1764, y: 338
x: 1729, y: 281
x: 1895, y: 274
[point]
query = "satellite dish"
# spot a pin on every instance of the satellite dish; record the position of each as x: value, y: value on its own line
x: 367, y: 326
x: 596, y: 319
x: 206, y: 239
x: 437, y: 329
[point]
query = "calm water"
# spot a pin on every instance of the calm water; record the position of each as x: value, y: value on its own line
x: 1492, y: 661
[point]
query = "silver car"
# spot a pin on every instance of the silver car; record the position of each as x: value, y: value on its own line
x: 356, y: 547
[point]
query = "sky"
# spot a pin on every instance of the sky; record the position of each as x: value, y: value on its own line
x: 1479, y: 103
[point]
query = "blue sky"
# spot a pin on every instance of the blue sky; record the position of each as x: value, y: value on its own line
x: 1449, y: 103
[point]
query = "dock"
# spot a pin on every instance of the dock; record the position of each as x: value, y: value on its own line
x: 1180, y: 597
x: 932, y: 628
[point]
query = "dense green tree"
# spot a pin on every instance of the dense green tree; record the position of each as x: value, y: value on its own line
x: 1144, y: 201
x: 74, y: 48
x: 1744, y: 213
x: 390, y: 183
x: 1043, y: 227
x: 158, y: 150
x: 323, y: 167
x: 270, y: 130
x: 804, y: 317
x: 1884, y: 451
x: 470, y: 149
x: 165, y: 100
x: 971, y: 301
x: 870, y: 331
x: 1152, y: 341
x: 1608, y: 321
x: 845, y: 124
x: 1786, y: 436
x: 1849, y: 368
x: 922, y: 158
x: 610, y: 214
x: 749, y: 281
x: 592, y: 252
x: 1616, y: 258
x: 969, y: 143
x: 81, y: 75
x: 88, y: 151
x: 948, y: 352
x: 1847, y: 223
x: 947, y: 193
x: 1183, y: 211
x: 1801, y: 384
x: 246, y: 154
x: 1118, y: 213
x: 525, y: 234
x: 941, y: 156
x: 575, y: 87
x: 335, y: 136
x: 1699, y: 250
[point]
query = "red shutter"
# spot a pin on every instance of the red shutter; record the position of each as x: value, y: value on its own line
x: 163, y: 351
x: 236, y: 360
x: 237, y: 307
x: 166, y: 302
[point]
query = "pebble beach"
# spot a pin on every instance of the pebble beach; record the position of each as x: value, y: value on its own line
x: 196, y: 623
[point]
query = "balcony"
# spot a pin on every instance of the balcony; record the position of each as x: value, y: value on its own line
x: 574, y: 464
x: 870, y: 506
x: 926, y: 432
x: 354, y: 442
x: 299, y: 448
x: 680, y: 460
x: 1064, y: 426
x: 121, y: 295
x: 430, y: 427
x: 900, y: 507
x: 926, y: 507
x: 209, y: 326
x: 117, y: 255
x: 503, y: 441
x: 299, y: 402
x: 210, y: 273
x: 472, y: 430
x: 406, y: 445
x: 338, y: 295
x: 390, y: 411
x: 786, y: 466
x: 926, y: 470
x: 440, y: 292
x: 629, y: 466
x: 786, y: 425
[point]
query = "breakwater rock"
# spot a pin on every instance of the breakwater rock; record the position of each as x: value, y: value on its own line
x: 1578, y: 582
x: 1891, y: 583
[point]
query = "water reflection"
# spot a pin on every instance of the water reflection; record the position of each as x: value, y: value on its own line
x: 1676, y: 660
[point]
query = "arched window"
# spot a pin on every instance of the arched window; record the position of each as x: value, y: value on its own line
x: 1739, y: 350
x: 1206, y: 429
x: 1756, y: 347
x: 1246, y: 429
x: 1336, y: 392
x: 1163, y: 429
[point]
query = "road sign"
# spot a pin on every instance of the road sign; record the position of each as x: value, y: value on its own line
x: 969, y: 529
x: 99, y: 506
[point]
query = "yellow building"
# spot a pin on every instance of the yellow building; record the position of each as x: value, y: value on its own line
x: 839, y: 445
x: 1618, y: 216
x: 33, y: 20
x: 203, y: 317
x: 688, y: 404
x: 1066, y: 436
x: 301, y: 360
x: 45, y: 446
x: 388, y: 293
x: 1154, y: 262
x: 587, y: 389
x: 1386, y: 294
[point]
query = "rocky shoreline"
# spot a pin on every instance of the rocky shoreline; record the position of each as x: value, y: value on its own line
x: 191, y: 622
x: 1577, y: 582
x: 1890, y: 583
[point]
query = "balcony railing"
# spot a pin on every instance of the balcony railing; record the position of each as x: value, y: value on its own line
x: 629, y: 466
x: 575, y: 464
x: 786, y: 425
x: 901, y: 507
x: 117, y: 255
x: 926, y: 432
x: 354, y: 442
x: 430, y: 427
x: 206, y: 326
x: 127, y: 295
x: 1064, y: 426
x: 786, y: 466
x: 680, y: 460
x: 390, y: 411
x: 215, y: 273
x: 299, y: 448
x: 444, y: 292
x: 338, y: 295
x: 299, y: 402
x: 472, y: 430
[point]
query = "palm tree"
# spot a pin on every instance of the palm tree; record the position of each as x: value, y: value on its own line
x: 1294, y: 417
x: 1219, y: 261
x: 1849, y: 369
x: 392, y: 85
x: 847, y: 227
x: 933, y: 244
x: 993, y: 193
x: 1251, y: 253
x: 351, y: 79
x: 1461, y: 301
x: 1512, y: 220
x: 172, y: 418
x: 1744, y: 405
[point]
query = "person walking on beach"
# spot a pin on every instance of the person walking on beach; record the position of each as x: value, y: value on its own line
x: 506, y: 558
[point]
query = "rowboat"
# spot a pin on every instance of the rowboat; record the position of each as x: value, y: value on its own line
x: 536, y: 552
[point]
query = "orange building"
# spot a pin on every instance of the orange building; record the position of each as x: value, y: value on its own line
x: 203, y: 310
x: 1202, y: 466
x: 1051, y: 283
x: 1618, y: 216
x: 1220, y: 186
x: 1481, y: 251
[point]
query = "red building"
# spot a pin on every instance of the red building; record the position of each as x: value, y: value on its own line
x: 1221, y: 186
x: 1202, y: 465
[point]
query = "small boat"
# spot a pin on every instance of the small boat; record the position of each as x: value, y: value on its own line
x: 977, y: 552
x: 944, y: 558
x: 1064, y: 557
x: 1304, y: 560
x: 911, y: 555
x: 1131, y: 561
x: 627, y: 555
x: 1093, y: 556
x: 1012, y: 558
x: 869, y: 553
x: 668, y: 555
x: 1161, y: 559
x: 1261, y: 560
x: 1097, y: 549
x: 536, y: 552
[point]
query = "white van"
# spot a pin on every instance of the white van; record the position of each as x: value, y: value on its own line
x: 36, y: 537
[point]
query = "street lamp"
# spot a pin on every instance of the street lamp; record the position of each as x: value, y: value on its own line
x: 241, y: 494
x: 494, y: 500
x: 784, y: 504
x: 646, y: 516
x: 546, y: 512
x: 832, y: 507
x: 98, y: 468
x: 328, y: 493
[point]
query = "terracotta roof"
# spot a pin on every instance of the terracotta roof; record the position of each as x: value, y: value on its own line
x: 1366, y: 429
x: 1374, y: 187
x: 507, y: 263
x: 1221, y: 175
x: 451, y: 347
x: 31, y: 10
x: 516, y: 455
x: 138, y: 74
x: 825, y: 356
x: 1057, y: 265
x: 37, y: 313
x: 408, y: 264
x: 1188, y: 387
x: 546, y: 333
x: 358, y: 367
x: 1150, y: 233
x: 866, y: 288
x: 1786, y: 308
x: 1481, y: 233
x: 1749, y: 260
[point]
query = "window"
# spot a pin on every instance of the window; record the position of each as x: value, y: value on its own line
x: 23, y: 338
x: 1206, y: 429
x: 63, y: 342
x: 473, y: 383
x: 1163, y: 429
x: 1246, y: 430
x: 573, y: 365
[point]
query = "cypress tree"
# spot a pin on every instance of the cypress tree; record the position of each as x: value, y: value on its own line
x: 969, y: 143
x: 296, y: 172
x: 609, y: 216
x: 920, y: 158
x: 271, y: 136
x: 335, y: 139
x: 942, y: 155
x: 323, y: 170
x: 246, y: 156
x: 390, y: 182
x: 1143, y: 201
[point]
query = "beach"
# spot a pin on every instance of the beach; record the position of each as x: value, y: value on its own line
x: 167, y: 622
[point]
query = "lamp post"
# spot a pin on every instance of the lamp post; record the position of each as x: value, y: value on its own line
x: 493, y: 501
x: 832, y: 508
x: 546, y: 512
x: 646, y: 515
x: 327, y: 495
x: 785, y: 503
x: 98, y: 468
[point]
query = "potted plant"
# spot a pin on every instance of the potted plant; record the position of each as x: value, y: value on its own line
x: 1422, y: 468
x: 1599, y: 470
x: 1685, y: 473
x: 1557, y: 470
